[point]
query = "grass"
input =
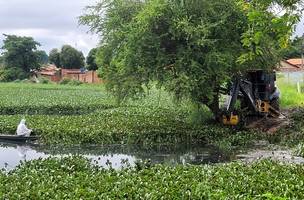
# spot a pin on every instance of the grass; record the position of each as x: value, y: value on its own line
x: 75, y: 178
x: 290, y: 97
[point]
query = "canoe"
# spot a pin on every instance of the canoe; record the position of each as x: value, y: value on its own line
x: 18, y: 138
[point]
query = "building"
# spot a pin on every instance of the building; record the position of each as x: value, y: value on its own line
x: 57, y: 74
x: 50, y: 72
x: 292, y: 70
x: 291, y: 65
x: 299, y: 62
x: 81, y: 75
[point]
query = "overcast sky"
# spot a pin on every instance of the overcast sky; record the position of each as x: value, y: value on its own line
x: 52, y: 22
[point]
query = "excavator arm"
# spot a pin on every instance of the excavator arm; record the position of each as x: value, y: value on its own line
x: 250, y: 97
x: 240, y: 88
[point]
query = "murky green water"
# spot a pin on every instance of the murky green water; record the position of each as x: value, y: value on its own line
x: 119, y: 156
x: 11, y: 154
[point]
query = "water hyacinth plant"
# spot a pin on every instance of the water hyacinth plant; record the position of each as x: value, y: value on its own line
x: 88, y: 115
x: 75, y: 178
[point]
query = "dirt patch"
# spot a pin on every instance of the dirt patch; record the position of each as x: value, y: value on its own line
x: 269, y: 124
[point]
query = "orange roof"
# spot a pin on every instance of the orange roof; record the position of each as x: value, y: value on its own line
x: 49, y: 68
x: 295, y: 61
x: 47, y: 73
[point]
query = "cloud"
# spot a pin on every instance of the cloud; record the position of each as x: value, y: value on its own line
x: 51, y: 23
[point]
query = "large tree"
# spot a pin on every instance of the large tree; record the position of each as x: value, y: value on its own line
x: 43, y: 58
x: 20, y: 52
x: 54, y: 57
x: 71, y: 58
x: 91, y: 59
x: 191, y: 47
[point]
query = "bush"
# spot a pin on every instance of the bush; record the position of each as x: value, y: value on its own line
x: 67, y: 81
x: 26, y: 81
x: 11, y: 74
x: 17, y: 81
x: 44, y: 80
x: 64, y: 81
x: 75, y: 82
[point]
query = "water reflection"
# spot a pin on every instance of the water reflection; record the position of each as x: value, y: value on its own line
x: 117, y: 156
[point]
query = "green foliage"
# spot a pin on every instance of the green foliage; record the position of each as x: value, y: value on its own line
x: 1, y: 61
x: 290, y: 97
x: 268, y: 31
x: 86, y: 114
x: 91, y: 60
x: 189, y: 48
x: 64, y: 81
x: 71, y: 58
x: 54, y: 57
x: 67, y: 81
x: 44, y: 80
x: 11, y: 74
x: 176, y: 44
x: 75, y: 178
x: 199, y: 114
x: 294, y: 49
x: 20, y: 52
x: 43, y: 58
x: 293, y: 134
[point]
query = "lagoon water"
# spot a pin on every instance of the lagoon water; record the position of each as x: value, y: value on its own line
x: 116, y: 156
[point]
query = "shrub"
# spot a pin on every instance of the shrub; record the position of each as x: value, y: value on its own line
x: 17, y: 81
x: 64, y: 81
x: 67, y: 81
x: 44, y: 80
x: 75, y: 82
x: 11, y: 74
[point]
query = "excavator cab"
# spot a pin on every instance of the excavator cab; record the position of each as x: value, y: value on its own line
x: 257, y: 93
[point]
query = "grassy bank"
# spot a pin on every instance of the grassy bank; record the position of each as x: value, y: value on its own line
x: 290, y: 97
x: 74, y: 178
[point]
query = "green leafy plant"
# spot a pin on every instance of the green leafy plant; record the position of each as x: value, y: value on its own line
x: 76, y: 178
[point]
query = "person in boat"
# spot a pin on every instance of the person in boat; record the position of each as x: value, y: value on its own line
x: 22, y: 130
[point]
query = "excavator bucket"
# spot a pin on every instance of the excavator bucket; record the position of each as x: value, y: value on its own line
x: 231, y: 120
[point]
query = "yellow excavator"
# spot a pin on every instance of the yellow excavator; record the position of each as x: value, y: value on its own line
x: 257, y: 94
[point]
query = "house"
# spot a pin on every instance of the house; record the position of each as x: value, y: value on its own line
x: 291, y: 65
x: 73, y: 74
x: 50, y: 72
x: 57, y: 74
x: 297, y: 62
x: 292, y: 70
x: 81, y: 75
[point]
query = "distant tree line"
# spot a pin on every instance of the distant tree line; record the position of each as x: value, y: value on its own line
x: 20, y: 56
x: 70, y: 58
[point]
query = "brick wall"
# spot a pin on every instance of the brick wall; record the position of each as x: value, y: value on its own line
x: 87, y: 77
